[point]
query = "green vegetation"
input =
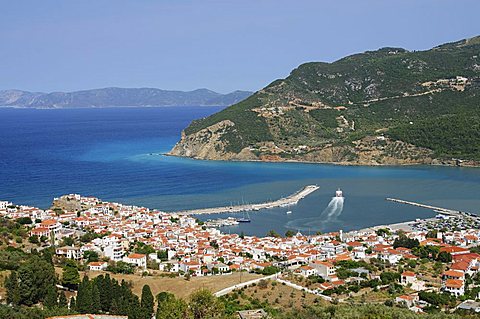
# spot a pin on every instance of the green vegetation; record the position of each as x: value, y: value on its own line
x: 384, y: 90
x: 249, y: 128
x: 404, y: 241
x: 71, y: 276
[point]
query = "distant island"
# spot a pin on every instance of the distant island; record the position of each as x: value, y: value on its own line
x: 385, y: 107
x: 110, y: 97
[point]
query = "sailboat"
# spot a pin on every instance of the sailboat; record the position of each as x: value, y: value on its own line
x: 244, y: 219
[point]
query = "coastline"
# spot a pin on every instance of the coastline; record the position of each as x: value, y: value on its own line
x: 440, y: 163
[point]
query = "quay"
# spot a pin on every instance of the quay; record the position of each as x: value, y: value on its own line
x: 441, y: 210
x: 286, y: 201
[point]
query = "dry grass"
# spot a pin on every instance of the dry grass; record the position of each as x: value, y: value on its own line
x: 280, y: 296
x: 178, y: 285
x: 3, y: 274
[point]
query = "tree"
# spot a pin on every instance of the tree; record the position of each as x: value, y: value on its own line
x: 90, y: 255
x: 388, y: 277
x: 73, y: 304
x: 24, y: 221
x: 105, y: 286
x: 96, y: 306
x: 67, y: 241
x: 70, y: 276
x: 34, y: 239
x: 169, y: 307
x: 32, y: 281
x: 273, y: 233
x: 51, y: 298
x: 289, y: 233
x: 270, y: 270
x: 147, y: 302
x: 84, y: 296
x: 404, y: 241
x: 11, y: 285
x: 62, y: 300
x: 444, y: 257
x: 383, y: 231
x: 162, y: 255
x: 142, y: 248
x: 203, y: 305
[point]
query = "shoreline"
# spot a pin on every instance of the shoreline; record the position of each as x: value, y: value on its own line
x: 325, y: 163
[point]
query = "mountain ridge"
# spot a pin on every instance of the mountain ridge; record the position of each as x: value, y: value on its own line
x: 390, y: 106
x: 115, y: 96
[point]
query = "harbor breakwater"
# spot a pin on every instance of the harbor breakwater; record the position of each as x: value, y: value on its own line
x: 285, y: 201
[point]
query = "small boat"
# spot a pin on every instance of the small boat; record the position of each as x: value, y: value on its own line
x: 289, y: 212
x: 244, y: 219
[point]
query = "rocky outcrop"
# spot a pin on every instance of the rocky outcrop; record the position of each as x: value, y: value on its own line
x: 209, y: 144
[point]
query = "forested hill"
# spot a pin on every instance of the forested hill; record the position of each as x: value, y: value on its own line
x: 389, y: 106
x: 108, y: 97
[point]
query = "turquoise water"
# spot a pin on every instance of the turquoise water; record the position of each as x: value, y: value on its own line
x: 115, y: 154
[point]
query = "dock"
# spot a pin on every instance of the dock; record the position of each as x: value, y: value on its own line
x: 440, y: 210
x: 282, y: 202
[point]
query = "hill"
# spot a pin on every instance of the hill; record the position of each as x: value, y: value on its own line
x: 108, y: 97
x: 385, y: 107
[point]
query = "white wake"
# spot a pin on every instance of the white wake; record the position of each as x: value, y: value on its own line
x: 333, y: 210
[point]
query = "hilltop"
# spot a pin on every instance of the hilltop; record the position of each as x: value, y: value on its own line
x: 108, y: 97
x: 385, y: 107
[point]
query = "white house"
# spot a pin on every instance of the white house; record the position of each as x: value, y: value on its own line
x: 114, y: 251
x: 4, y: 205
x: 307, y: 271
x: 52, y: 225
x: 69, y: 252
x: 324, y: 269
x: 97, y: 265
x: 454, y: 286
x: 138, y: 260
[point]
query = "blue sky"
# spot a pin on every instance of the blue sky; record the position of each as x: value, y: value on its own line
x: 222, y: 45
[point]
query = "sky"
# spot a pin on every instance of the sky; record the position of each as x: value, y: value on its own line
x: 67, y: 45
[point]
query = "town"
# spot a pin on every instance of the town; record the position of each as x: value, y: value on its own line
x: 431, y: 264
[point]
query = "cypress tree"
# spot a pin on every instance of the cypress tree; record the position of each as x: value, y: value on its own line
x: 84, y: 296
x: 11, y: 285
x: 147, y: 302
x: 106, y: 293
x: 134, y: 311
x: 73, y: 304
x: 51, y: 298
x: 95, y: 306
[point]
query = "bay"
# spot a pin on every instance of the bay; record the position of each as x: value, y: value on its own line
x: 116, y: 154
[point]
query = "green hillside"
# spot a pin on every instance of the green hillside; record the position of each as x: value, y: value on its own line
x: 387, y: 106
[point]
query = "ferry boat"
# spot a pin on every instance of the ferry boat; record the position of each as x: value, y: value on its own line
x: 339, y: 193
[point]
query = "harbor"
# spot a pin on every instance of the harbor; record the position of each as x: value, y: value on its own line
x: 439, y: 210
x: 282, y: 202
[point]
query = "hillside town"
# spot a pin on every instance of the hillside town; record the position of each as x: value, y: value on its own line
x: 414, y: 266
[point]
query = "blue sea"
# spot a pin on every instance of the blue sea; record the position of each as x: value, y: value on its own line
x: 116, y: 154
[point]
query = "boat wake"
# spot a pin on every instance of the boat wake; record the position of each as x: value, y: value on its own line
x: 328, y: 218
x: 333, y: 210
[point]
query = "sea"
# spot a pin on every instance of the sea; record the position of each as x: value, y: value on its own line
x: 117, y: 154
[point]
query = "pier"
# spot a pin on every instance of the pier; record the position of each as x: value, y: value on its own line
x: 441, y: 210
x: 286, y: 201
